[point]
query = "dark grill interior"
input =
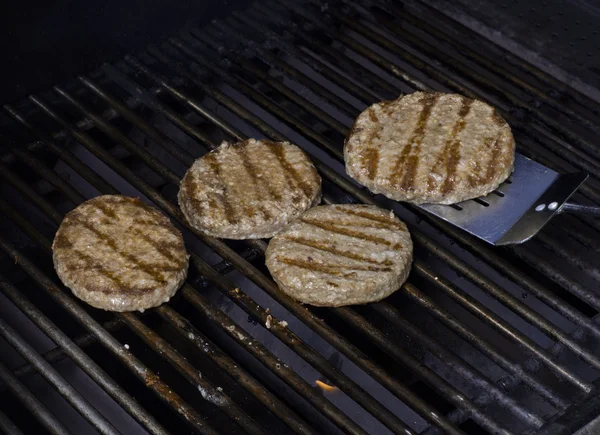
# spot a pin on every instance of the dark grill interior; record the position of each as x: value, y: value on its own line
x: 480, y: 340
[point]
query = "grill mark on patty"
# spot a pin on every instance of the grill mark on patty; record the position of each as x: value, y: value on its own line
x: 106, y: 210
x: 371, y: 162
x: 162, y: 248
x: 372, y: 115
x: 213, y: 162
x: 497, y: 119
x: 477, y: 177
x: 350, y: 233
x: 294, y: 178
x: 152, y: 269
x: 253, y: 172
x: 406, y: 166
x: 92, y: 263
x: 191, y: 185
x: 381, y: 219
x: 492, y: 167
x: 156, y: 271
x: 371, y: 225
x: 450, y: 154
x: 255, y: 180
x: 333, y: 250
x: 330, y: 269
x: 61, y: 241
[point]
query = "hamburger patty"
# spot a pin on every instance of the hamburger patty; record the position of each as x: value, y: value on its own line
x: 249, y: 190
x: 119, y: 254
x: 338, y: 255
x: 430, y: 148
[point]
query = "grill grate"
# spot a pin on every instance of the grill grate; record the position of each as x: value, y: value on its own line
x: 479, y: 339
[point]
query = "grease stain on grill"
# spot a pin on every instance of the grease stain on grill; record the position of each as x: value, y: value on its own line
x: 213, y: 396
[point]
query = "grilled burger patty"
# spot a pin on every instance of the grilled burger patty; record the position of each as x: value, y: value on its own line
x: 338, y: 255
x: 119, y: 254
x: 430, y: 148
x: 249, y: 190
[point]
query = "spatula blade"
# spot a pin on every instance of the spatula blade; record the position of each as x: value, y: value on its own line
x: 518, y: 209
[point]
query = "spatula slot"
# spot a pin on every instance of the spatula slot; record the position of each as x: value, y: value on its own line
x: 481, y: 202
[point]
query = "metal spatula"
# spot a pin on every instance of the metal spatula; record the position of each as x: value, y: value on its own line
x: 520, y: 207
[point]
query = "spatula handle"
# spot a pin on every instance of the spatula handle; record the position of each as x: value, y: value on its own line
x: 580, y: 209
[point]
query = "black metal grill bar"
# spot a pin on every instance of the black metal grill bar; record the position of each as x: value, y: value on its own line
x: 579, y: 262
x: 190, y: 373
x: 146, y: 189
x: 28, y: 399
x: 228, y: 365
x: 519, y: 307
x: 45, y: 172
x: 498, y: 324
x: 557, y: 145
x: 76, y: 400
x: 323, y: 366
x: 462, y: 68
x: 464, y: 368
x: 570, y: 284
x: 491, y: 391
x: 265, y: 78
x: 342, y: 381
x: 150, y: 379
x: 241, y: 113
x: 260, y: 352
x: 544, y: 266
x: 581, y: 317
x: 336, y: 56
x: 7, y: 426
x: 587, y: 189
x: 169, y: 353
x: 430, y: 377
x: 74, y: 162
x: 367, y: 94
x: 183, y: 94
x: 264, y: 314
x: 448, y: 81
x: 58, y: 354
x: 238, y: 109
x: 574, y: 100
x: 123, y: 140
x: 77, y: 355
x: 336, y: 377
x: 323, y: 404
x: 166, y: 142
x: 28, y: 192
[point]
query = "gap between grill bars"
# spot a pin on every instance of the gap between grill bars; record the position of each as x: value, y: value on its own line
x: 279, y: 96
